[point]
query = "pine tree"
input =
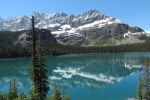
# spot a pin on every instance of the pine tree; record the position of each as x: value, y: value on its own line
x: 14, y: 89
x: 21, y: 96
x: 56, y: 94
x: 34, y: 94
x: 38, y: 70
x: 34, y: 72
x: 67, y: 97
x: 12, y: 93
x: 9, y: 95
x: 63, y: 94
x: 139, y: 89
x: 1, y: 96
x: 42, y: 79
x: 33, y: 60
x: 146, y: 79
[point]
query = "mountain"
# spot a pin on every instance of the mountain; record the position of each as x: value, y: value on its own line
x: 81, y: 30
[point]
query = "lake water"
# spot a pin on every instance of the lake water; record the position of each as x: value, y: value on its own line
x: 107, y: 76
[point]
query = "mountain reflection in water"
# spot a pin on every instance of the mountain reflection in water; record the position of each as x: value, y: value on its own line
x: 90, y: 71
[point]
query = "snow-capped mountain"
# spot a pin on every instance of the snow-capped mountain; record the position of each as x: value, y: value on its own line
x: 71, y: 29
x: 59, y: 21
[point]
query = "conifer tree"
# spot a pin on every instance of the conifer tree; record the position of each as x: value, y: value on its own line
x: 139, y: 89
x: 9, y: 95
x: 42, y: 79
x: 33, y: 60
x: 34, y: 72
x: 1, y: 96
x: 63, y: 94
x: 56, y: 94
x: 146, y: 80
x: 12, y: 93
x: 67, y: 97
x: 38, y: 70
x: 21, y: 96
x: 14, y: 89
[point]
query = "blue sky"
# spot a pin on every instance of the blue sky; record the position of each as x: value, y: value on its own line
x: 133, y: 12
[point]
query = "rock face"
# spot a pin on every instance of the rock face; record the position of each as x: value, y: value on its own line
x: 25, y: 38
x: 109, y: 31
x: 71, y: 29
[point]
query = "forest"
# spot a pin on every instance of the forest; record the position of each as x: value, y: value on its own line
x: 37, y: 51
x: 9, y: 50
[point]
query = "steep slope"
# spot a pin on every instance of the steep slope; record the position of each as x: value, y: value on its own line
x: 71, y: 29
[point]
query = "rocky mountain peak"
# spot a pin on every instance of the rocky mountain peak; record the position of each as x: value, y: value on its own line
x: 35, y: 14
x: 60, y: 14
x: 72, y: 29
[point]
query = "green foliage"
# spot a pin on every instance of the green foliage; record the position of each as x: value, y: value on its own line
x: 111, y: 42
x: 42, y: 79
x: 38, y: 72
x: 12, y: 94
x: 63, y: 94
x: 143, y: 91
x: 144, y: 37
x: 86, y: 42
x: 119, y: 37
x: 146, y: 81
x: 8, y: 49
x: 100, y: 42
x: 21, y: 96
x: 67, y: 97
x: 3, y: 96
x: 139, y: 89
x: 56, y: 95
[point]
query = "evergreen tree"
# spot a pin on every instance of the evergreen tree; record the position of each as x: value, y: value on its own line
x: 42, y: 79
x: 12, y: 93
x: 38, y: 72
x: 139, y: 89
x: 14, y: 89
x: 33, y: 60
x: 146, y: 81
x: 1, y: 96
x: 9, y: 95
x: 34, y: 94
x: 56, y: 94
x: 67, y: 97
x: 21, y: 96
x: 63, y: 94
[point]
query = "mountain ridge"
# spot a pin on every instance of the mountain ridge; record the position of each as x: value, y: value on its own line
x: 72, y: 29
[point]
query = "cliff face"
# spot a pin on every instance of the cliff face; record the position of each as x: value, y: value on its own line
x: 25, y: 38
x: 71, y: 29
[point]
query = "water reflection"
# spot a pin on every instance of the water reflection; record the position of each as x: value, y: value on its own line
x: 91, y: 71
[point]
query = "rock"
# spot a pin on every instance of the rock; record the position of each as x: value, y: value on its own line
x: 25, y: 38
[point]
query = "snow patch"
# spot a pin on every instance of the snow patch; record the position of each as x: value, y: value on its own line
x: 53, y: 25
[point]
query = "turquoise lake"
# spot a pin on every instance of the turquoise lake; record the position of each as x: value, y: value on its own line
x: 106, y: 76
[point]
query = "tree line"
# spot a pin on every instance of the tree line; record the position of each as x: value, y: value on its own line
x: 38, y: 75
x: 14, y: 94
x: 52, y: 48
